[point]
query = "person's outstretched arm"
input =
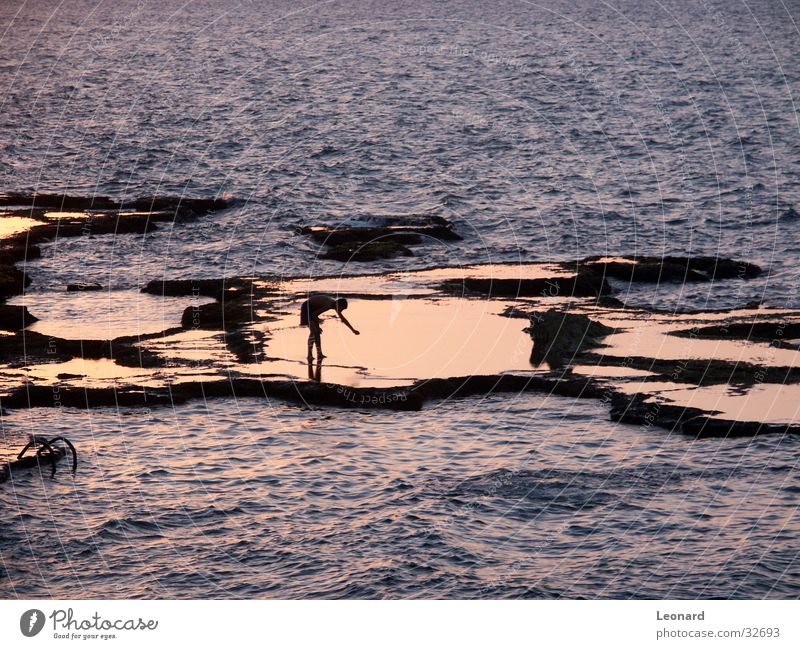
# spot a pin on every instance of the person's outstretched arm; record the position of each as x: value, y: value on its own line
x: 355, y: 331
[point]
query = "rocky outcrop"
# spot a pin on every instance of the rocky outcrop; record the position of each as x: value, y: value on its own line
x: 59, y: 202
x: 699, y: 371
x: 12, y: 281
x: 13, y: 318
x: 308, y: 393
x: 379, y: 237
x: 582, y: 284
x: 84, y: 286
x: 218, y: 289
x: 86, y: 215
x: 558, y: 336
x: 225, y: 314
x: 671, y: 269
x: 644, y: 410
x: 776, y: 333
x: 30, y: 347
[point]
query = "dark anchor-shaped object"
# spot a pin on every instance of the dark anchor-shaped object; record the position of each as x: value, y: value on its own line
x: 37, y: 452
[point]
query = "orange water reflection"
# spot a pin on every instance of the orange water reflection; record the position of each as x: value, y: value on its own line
x: 11, y: 225
x: 402, y: 340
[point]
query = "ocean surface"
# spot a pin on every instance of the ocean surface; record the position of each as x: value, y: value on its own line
x: 545, y: 131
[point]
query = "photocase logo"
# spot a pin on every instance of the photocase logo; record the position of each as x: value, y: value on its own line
x: 31, y: 622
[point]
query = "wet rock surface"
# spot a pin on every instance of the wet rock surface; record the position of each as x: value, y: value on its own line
x: 83, y: 286
x: 13, y: 318
x: 582, y: 284
x: 379, y: 237
x: 671, y: 269
x: 12, y: 280
x: 225, y: 314
x: 558, y: 336
x: 777, y: 333
x: 249, y: 318
x: 63, y: 202
x: 367, y: 251
x: 52, y: 215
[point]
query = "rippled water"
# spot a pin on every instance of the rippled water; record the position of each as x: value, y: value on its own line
x: 545, y: 131
x: 239, y: 499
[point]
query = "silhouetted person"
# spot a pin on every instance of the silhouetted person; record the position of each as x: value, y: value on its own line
x: 311, y: 310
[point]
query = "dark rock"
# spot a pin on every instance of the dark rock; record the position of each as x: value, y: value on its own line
x: 81, y: 286
x: 227, y: 314
x: 790, y: 215
x: 12, y: 281
x: 248, y: 347
x: 367, y: 251
x: 672, y: 269
x: 59, y: 201
x: 699, y: 371
x: 465, y: 386
x: 30, y: 347
x: 703, y: 426
x: 175, y: 203
x: 776, y: 333
x: 13, y: 318
x: 558, y: 336
x: 641, y: 410
x: 351, y: 236
x: 64, y: 202
x: 213, y: 288
x: 610, y: 302
x: 379, y: 237
x: 308, y: 393
x: 583, y: 284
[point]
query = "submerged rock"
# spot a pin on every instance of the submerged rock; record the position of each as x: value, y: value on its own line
x: 368, y: 251
x: 84, y: 286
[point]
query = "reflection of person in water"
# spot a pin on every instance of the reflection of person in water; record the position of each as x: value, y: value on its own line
x: 310, y: 312
x: 315, y: 371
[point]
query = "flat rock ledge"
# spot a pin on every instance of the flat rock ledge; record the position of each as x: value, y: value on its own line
x: 642, y: 410
x: 650, y: 269
x: 585, y: 283
x: 84, y: 216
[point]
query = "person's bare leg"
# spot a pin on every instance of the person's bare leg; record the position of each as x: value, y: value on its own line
x: 315, y: 338
x: 318, y: 335
x: 310, y: 344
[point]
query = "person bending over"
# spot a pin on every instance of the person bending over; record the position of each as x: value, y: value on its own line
x: 311, y: 310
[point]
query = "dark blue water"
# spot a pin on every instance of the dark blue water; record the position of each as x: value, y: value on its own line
x: 545, y: 131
